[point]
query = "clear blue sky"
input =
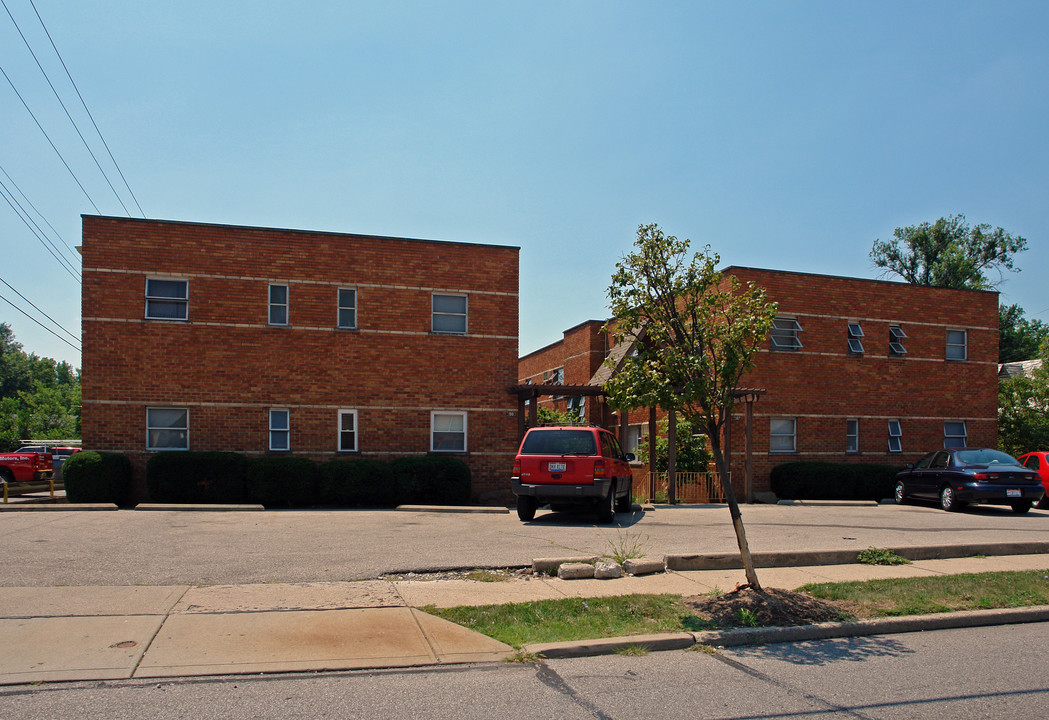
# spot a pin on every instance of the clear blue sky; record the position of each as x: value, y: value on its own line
x: 787, y: 135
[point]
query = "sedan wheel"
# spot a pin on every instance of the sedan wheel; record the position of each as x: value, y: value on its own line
x: 901, y: 493
x: 1021, y: 507
x: 948, y: 501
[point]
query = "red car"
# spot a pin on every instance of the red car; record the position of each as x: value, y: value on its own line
x: 1038, y: 462
x: 566, y: 466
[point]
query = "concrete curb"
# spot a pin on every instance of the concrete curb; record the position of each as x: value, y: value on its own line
x: 731, y: 561
x: 54, y: 507
x: 762, y: 636
x: 198, y: 508
x: 481, y: 509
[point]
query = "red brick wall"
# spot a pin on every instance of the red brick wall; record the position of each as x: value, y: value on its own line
x: 822, y: 385
x: 229, y: 367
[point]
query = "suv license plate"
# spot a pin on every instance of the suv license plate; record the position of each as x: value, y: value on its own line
x: 557, y: 467
x: 1014, y: 493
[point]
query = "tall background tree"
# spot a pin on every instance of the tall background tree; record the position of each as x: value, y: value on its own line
x: 1019, y: 338
x: 948, y: 253
x: 39, y: 397
x: 701, y: 329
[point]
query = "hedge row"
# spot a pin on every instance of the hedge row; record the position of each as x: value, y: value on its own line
x: 831, y: 481
x: 231, y: 478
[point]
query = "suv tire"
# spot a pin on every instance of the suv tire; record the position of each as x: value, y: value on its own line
x: 526, y: 507
x: 606, y: 508
x: 625, y: 503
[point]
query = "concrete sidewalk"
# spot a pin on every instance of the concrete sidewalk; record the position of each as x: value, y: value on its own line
x: 112, y: 633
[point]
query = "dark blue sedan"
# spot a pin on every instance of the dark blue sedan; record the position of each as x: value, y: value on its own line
x: 960, y: 476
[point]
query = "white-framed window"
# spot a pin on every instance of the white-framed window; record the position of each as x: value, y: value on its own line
x: 896, y: 338
x: 449, y: 314
x: 634, y: 433
x: 278, y: 304
x: 347, y: 308
x: 954, y: 434
x: 280, y: 429
x: 956, y: 345
x: 347, y: 431
x: 855, y: 338
x: 783, y: 435
x: 785, y: 334
x: 447, y: 431
x: 167, y: 428
x: 167, y: 299
x: 852, y: 435
x: 895, y: 437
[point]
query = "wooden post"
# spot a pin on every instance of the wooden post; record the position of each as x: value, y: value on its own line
x: 672, y: 457
x: 652, y: 454
x: 750, y: 448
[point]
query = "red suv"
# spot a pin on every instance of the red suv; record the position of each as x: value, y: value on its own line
x: 565, y: 466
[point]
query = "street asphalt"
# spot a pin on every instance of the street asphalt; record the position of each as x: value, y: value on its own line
x: 92, y: 594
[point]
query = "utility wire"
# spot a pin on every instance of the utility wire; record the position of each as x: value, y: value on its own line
x: 44, y: 240
x: 56, y: 323
x: 45, y: 327
x: 26, y: 106
x: 84, y: 103
x: 39, y: 214
x: 64, y: 108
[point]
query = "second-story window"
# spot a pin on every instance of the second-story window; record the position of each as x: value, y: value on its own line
x: 347, y: 308
x: 278, y: 314
x: 855, y: 338
x: 167, y: 299
x: 785, y: 334
x: 896, y: 338
x: 449, y: 314
x: 956, y: 345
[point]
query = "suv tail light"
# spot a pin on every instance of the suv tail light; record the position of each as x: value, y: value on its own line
x: 517, y: 468
x: 600, y: 469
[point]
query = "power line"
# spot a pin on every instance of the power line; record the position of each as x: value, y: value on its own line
x: 26, y: 106
x: 56, y: 323
x: 84, y: 103
x: 39, y: 214
x: 45, y: 327
x: 41, y: 236
x: 64, y: 108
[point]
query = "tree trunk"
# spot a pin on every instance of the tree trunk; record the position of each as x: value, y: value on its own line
x: 672, y: 456
x: 733, y: 508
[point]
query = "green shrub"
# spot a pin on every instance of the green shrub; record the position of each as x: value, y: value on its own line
x: 358, y: 482
x: 197, y: 477
x: 833, y: 481
x: 282, y: 481
x: 97, y: 477
x: 433, y: 480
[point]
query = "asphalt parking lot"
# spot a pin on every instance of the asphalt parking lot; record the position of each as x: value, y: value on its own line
x: 131, y: 547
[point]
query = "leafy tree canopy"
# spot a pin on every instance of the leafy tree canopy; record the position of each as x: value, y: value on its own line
x: 1023, y: 412
x: 1019, y: 338
x: 948, y: 253
x: 39, y: 397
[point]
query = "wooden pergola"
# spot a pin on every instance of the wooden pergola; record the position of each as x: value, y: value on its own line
x: 528, y: 397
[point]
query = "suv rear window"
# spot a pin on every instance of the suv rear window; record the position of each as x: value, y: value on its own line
x: 559, y: 442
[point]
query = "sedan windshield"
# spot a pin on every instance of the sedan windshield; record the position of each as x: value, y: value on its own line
x: 984, y: 456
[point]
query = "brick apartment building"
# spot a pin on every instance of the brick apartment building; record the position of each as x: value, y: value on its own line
x: 322, y: 345
x: 855, y: 371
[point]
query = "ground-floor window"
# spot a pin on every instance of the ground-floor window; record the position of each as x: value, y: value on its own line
x: 280, y: 429
x: 448, y: 431
x: 852, y: 436
x: 167, y: 428
x: 954, y: 434
x: 347, y: 431
x: 783, y: 436
x: 895, y: 437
